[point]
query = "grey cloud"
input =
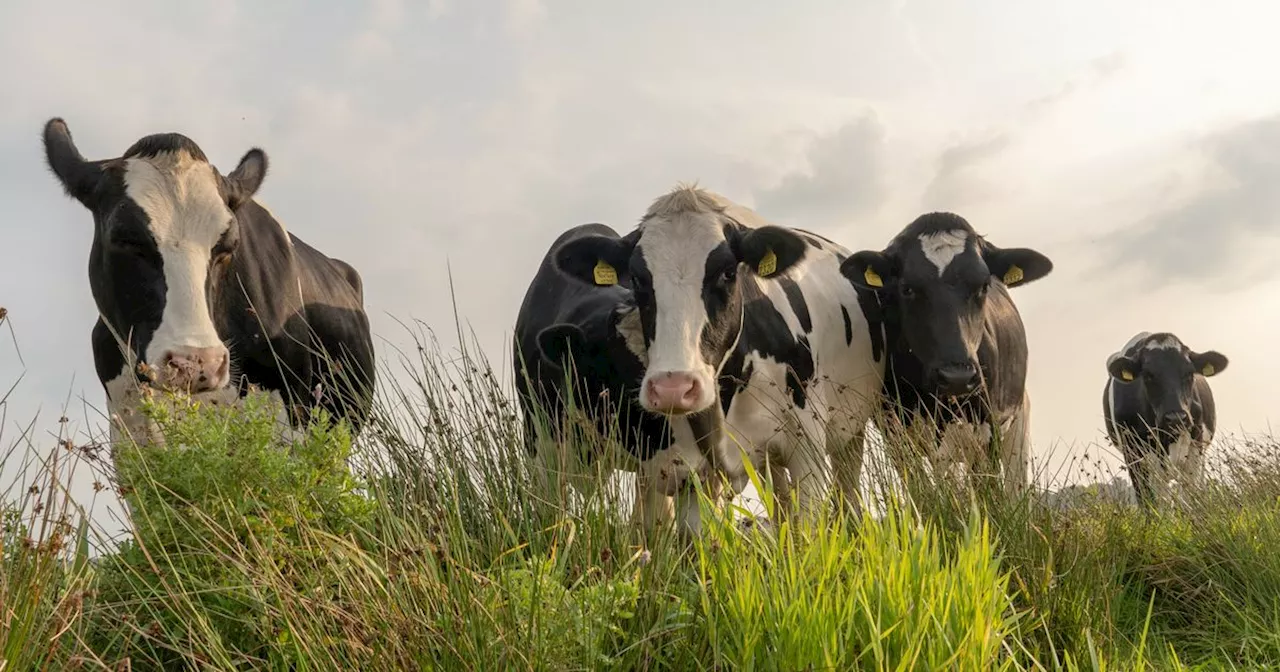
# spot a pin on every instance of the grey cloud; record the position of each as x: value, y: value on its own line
x: 845, y: 177
x: 1228, y: 230
x: 955, y: 182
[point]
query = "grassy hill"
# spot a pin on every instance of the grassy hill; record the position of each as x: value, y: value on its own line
x: 425, y: 547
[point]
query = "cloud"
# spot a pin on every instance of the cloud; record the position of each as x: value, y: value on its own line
x: 958, y: 179
x: 845, y: 177
x: 1097, y: 72
x: 1227, y: 230
x: 955, y: 181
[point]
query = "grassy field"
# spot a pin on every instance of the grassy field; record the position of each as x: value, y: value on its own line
x: 424, y: 547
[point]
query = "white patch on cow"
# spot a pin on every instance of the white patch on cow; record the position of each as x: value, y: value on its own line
x: 1165, y: 343
x: 632, y: 333
x: 1180, y: 449
x: 188, y: 216
x: 680, y: 231
x: 942, y: 247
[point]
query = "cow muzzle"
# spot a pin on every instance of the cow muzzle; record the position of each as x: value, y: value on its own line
x: 1174, y: 421
x: 195, y: 370
x: 954, y: 380
x: 673, y: 392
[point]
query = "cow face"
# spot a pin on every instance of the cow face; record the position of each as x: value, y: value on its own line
x: 937, y: 275
x: 686, y: 262
x: 1166, y: 370
x: 164, y: 231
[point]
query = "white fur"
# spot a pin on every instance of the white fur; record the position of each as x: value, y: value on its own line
x: 681, y: 231
x: 1166, y: 343
x: 188, y: 216
x: 942, y: 247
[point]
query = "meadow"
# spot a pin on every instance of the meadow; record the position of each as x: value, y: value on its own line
x: 423, y: 545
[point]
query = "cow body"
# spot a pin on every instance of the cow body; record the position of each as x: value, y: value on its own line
x: 957, y: 345
x: 200, y: 288
x: 749, y: 332
x: 1159, y: 410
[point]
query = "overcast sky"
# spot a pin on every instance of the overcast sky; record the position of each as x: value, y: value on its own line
x: 1137, y: 144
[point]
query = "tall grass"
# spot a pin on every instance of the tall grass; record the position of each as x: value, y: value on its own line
x: 425, y: 545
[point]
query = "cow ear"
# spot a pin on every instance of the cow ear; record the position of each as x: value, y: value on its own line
x: 1209, y: 363
x: 1124, y: 369
x: 768, y: 250
x: 595, y: 259
x: 1017, y: 266
x: 244, y: 181
x: 559, y: 340
x: 867, y: 269
x: 79, y: 177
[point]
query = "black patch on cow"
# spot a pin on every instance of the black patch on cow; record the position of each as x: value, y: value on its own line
x: 722, y: 300
x: 798, y: 305
x: 848, y: 326
x: 766, y: 333
x: 160, y: 143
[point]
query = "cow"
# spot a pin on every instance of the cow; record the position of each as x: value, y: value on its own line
x: 200, y: 289
x: 957, y: 345
x: 577, y: 357
x: 749, y: 332
x: 1159, y: 410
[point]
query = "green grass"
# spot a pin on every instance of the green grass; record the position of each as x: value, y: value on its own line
x: 424, y: 546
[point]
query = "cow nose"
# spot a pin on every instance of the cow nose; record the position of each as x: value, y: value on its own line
x: 673, y: 391
x: 957, y: 378
x: 1177, y: 419
x: 197, y: 369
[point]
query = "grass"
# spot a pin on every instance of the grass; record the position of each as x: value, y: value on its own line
x: 425, y: 546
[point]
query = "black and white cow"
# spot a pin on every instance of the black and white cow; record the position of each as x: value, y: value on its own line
x: 749, y: 331
x: 957, y: 346
x: 198, y: 282
x: 568, y: 326
x: 1159, y: 409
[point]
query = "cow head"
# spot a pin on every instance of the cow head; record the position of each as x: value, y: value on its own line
x: 1166, y: 371
x: 164, y: 230
x: 936, y: 276
x: 605, y: 346
x: 686, y: 262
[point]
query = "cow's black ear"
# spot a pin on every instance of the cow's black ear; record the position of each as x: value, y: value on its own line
x: 867, y: 269
x: 79, y: 177
x: 244, y: 181
x: 1124, y: 369
x: 1209, y: 363
x: 595, y: 259
x: 768, y: 250
x: 1017, y: 266
x: 560, y: 340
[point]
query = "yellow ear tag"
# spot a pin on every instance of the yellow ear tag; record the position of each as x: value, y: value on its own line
x: 1013, y: 276
x: 768, y: 264
x: 873, y: 278
x: 604, y: 274
x: 1126, y: 374
x: 1207, y: 370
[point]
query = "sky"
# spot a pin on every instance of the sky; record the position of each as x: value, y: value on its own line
x: 446, y: 143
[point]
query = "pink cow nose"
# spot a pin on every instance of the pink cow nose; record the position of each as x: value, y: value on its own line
x: 673, y: 391
x: 196, y: 369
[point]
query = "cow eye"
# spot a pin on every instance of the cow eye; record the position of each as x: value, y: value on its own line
x: 980, y: 292
x: 908, y: 292
x: 729, y: 275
